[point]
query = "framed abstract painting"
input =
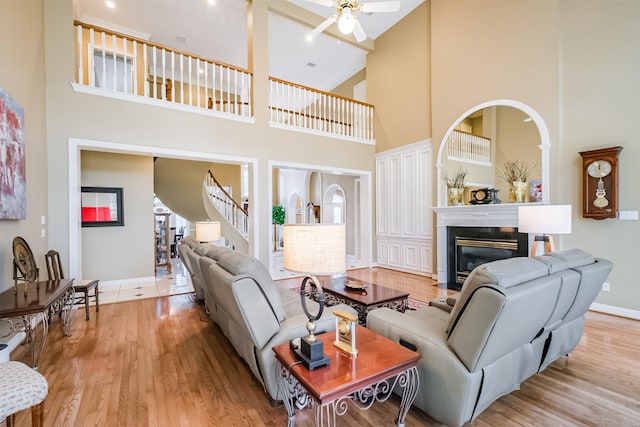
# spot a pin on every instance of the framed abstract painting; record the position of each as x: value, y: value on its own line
x: 13, y: 178
x: 102, y: 207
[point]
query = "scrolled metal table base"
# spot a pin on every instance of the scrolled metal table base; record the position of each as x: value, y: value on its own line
x: 24, y: 324
x: 326, y: 415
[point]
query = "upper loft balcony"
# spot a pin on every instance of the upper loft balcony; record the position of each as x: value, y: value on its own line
x: 113, y: 64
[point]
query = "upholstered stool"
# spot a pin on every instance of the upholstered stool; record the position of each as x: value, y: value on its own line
x: 20, y: 388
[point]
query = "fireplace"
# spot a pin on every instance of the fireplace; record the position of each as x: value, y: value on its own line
x: 469, y: 247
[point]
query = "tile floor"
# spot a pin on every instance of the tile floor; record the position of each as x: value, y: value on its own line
x: 178, y: 282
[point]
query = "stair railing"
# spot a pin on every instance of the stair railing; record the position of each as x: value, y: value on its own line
x: 226, y: 206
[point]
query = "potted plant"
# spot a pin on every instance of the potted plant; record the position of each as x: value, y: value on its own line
x: 516, y: 174
x: 455, y: 186
x: 277, y: 218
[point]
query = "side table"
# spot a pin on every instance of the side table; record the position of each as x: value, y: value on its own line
x: 85, y: 286
x: 380, y: 366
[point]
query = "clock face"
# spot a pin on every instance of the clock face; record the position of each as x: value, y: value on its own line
x: 481, y: 195
x: 599, y: 169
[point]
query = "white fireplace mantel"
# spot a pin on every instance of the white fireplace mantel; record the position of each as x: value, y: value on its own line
x: 502, y: 215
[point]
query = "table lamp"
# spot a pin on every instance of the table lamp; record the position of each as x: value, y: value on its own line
x: 544, y: 220
x: 207, y: 231
x: 314, y: 249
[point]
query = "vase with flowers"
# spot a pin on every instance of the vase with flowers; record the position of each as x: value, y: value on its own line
x: 517, y: 173
x: 455, y: 186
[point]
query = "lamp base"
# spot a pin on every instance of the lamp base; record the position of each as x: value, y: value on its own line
x: 311, y: 354
x: 539, y: 240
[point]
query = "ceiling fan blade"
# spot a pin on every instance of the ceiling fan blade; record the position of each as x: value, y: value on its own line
x: 358, y: 32
x: 381, y: 6
x: 323, y: 26
x: 328, y: 3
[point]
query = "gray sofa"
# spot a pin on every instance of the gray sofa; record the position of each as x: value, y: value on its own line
x: 511, y: 319
x: 252, y: 311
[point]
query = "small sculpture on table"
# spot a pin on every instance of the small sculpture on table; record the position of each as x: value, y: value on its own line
x: 24, y: 265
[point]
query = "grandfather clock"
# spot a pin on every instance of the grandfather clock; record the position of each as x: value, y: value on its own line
x: 600, y: 183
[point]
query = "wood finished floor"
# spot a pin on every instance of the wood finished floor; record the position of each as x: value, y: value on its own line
x: 159, y: 362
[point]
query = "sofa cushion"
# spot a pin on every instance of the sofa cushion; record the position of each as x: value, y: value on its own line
x: 506, y: 273
x: 212, y: 251
x: 189, y: 241
x: 237, y: 263
x: 568, y: 258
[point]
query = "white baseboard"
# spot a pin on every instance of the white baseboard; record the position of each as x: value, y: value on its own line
x: 618, y: 311
x: 120, y: 282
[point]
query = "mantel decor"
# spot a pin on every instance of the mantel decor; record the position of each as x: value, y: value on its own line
x: 517, y: 173
x: 455, y: 186
x: 102, y: 207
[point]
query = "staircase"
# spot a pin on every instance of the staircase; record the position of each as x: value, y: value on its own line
x: 234, y: 220
x: 181, y: 187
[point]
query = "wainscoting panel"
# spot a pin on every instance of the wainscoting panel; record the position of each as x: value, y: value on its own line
x: 404, y: 228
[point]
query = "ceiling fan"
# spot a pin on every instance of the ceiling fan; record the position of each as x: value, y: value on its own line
x: 345, y: 15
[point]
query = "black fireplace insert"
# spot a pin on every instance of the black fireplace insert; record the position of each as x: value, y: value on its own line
x: 469, y: 247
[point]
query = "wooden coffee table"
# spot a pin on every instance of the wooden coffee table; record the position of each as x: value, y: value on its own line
x: 380, y: 366
x: 363, y: 301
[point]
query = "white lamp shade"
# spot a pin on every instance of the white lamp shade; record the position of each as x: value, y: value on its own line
x: 544, y: 219
x: 315, y: 248
x: 207, y: 231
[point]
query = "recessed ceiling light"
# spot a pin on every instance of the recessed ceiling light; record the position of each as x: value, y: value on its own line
x: 110, y: 4
x: 212, y: 2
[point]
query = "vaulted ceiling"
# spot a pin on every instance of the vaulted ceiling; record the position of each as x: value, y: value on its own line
x: 217, y: 29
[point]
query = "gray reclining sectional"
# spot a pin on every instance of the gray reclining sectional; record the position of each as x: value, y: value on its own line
x: 511, y: 319
x: 254, y: 313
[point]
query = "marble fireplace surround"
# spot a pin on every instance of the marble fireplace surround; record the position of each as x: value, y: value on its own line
x: 503, y: 215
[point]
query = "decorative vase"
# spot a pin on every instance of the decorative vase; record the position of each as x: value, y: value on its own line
x: 455, y: 196
x: 520, y: 190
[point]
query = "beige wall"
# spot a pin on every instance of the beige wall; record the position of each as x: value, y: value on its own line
x: 76, y: 115
x: 346, y: 88
x: 111, y: 253
x: 229, y: 176
x: 577, y: 65
x: 398, y: 82
x: 22, y: 77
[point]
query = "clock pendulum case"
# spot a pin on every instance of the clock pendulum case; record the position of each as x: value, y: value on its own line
x: 600, y: 183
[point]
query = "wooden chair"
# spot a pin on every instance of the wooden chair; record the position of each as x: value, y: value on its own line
x: 20, y: 388
x: 81, y: 287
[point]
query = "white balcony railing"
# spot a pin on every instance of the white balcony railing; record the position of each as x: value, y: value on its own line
x: 124, y: 66
x: 119, y: 63
x: 466, y: 147
x: 304, y: 108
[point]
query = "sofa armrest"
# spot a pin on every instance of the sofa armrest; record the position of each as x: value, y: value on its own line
x: 447, y: 390
x: 256, y: 310
x: 445, y: 303
x: 290, y: 328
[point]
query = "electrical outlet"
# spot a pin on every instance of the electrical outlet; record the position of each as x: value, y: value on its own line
x: 606, y: 287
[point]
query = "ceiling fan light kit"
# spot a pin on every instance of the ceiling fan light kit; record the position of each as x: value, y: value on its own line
x: 347, y: 21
